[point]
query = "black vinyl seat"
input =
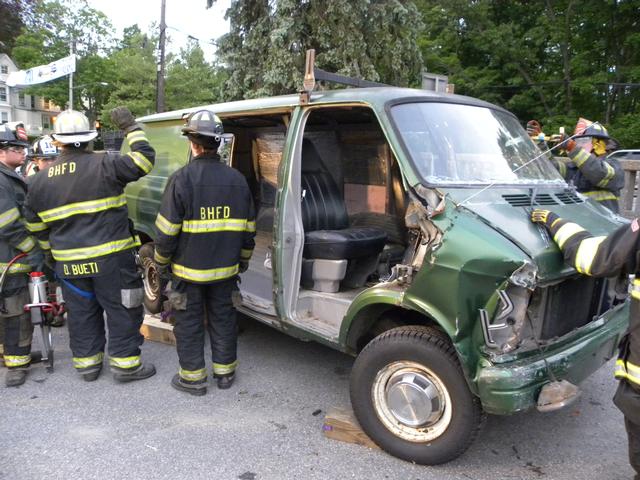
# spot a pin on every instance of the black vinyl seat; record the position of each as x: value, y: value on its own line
x: 325, y: 219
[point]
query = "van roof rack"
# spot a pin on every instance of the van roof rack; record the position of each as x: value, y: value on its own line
x: 314, y: 74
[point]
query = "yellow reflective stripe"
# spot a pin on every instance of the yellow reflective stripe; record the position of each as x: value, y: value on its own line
x: 141, y: 161
x: 251, y: 226
x: 44, y: 244
x: 610, y: 173
x: 209, y: 275
x: 27, y: 244
x: 246, y: 253
x: 587, y: 251
x: 565, y: 232
x: 600, y: 195
x: 223, y: 369
x: 554, y: 222
x: 125, y: 362
x: 629, y: 371
x: 166, y: 227
x: 159, y: 258
x: 635, y: 289
x: 193, y: 375
x: 9, y: 217
x: 85, y: 362
x: 15, y: 268
x: 95, y: 251
x: 225, y: 224
x: 136, y: 136
x: 580, y: 158
x: 36, y: 227
x: 16, y: 360
x: 80, y: 208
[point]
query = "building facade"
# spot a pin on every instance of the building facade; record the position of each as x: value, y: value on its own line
x: 37, y: 113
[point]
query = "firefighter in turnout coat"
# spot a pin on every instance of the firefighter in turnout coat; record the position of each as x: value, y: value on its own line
x: 588, y: 168
x: 206, y: 230
x: 608, y: 256
x: 15, y: 324
x: 78, y: 210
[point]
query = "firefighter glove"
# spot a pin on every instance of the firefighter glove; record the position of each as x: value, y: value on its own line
x: 124, y: 120
x: 567, y: 143
x: 244, y: 266
x: 36, y: 260
x: 164, y: 271
x: 546, y: 217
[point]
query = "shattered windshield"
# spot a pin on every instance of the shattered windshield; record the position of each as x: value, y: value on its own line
x: 464, y: 144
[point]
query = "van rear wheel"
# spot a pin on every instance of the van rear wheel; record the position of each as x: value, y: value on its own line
x: 151, y: 282
x: 410, y: 396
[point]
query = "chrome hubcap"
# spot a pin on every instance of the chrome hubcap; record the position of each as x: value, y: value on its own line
x: 412, y: 401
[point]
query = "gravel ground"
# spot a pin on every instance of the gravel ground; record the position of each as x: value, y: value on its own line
x: 267, y: 426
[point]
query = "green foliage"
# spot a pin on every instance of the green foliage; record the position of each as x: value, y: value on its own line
x: 264, y: 52
x: 13, y: 15
x: 47, y: 37
x: 191, y: 81
x: 553, y: 60
x: 134, y: 74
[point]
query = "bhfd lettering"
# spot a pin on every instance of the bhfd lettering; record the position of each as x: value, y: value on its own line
x: 214, y: 213
x: 78, y: 269
x: 61, y: 169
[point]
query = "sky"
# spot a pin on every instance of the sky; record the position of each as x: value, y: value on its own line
x: 183, y: 18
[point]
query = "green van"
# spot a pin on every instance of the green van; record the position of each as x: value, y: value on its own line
x: 393, y: 224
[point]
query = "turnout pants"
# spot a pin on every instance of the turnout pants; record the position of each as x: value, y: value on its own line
x: 16, y: 331
x: 119, y: 294
x: 633, y: 434
x: 191, y: 303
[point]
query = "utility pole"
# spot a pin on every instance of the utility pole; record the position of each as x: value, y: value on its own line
x: 160, y: 82
x: 71, y: 78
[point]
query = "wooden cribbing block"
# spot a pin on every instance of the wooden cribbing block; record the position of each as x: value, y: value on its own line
x: 340, y: 424
x: 156, y: 330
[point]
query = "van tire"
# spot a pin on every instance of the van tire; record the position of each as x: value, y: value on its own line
x: 152, y: 295
x: 422, y: 362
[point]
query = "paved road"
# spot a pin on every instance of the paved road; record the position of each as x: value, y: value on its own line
x: 59, y: 427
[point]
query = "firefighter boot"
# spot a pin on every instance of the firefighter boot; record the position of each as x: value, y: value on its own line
x: 130, y: 375
x: 198, y: 387
x: 16, y: 376
x: 225, y: 381
x: 90, y: 374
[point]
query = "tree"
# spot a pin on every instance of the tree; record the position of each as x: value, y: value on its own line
x: 54, y: 27
x: 13, y: 14
x: 191, y: 81
x: 264, y: 52
x: 134, y: 68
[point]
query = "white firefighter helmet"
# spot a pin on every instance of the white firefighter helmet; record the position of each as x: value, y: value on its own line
x: 73, y: 127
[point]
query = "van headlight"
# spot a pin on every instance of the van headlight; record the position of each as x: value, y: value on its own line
x: 503, y: 330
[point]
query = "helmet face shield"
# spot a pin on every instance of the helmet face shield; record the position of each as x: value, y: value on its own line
x: 584, y: 143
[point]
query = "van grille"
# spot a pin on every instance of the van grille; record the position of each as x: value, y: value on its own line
x: 524, y: 200
x: 561, y: 308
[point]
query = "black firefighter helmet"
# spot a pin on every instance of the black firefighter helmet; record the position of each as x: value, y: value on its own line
x: 13, y: 135
x: 204, y: 128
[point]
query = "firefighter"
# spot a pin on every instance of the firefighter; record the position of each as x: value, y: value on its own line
x: 78, y: 210
x: 42, y: 154
x: 608, y: 256
x: 206, y: 230
x: 534, y: 130
x: 588, y: 168
x: 15, y: 325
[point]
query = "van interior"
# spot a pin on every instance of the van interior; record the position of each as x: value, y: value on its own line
x: 352, y: 205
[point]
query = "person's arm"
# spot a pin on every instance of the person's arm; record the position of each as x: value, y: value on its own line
x: 248, y: 240
x: 169, y: 222
x: 140, y: 160
x: 597, y: 256
x: 598, y: 170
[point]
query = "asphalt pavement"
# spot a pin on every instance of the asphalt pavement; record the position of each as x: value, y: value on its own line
x: 269, y: 425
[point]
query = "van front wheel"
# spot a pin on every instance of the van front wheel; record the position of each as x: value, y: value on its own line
x: 409, y: 394
x: 151, y: 281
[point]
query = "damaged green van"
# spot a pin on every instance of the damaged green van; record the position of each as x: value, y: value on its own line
x: 393, y: 224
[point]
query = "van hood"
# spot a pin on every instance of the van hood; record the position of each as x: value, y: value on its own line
x: 507, y: 210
